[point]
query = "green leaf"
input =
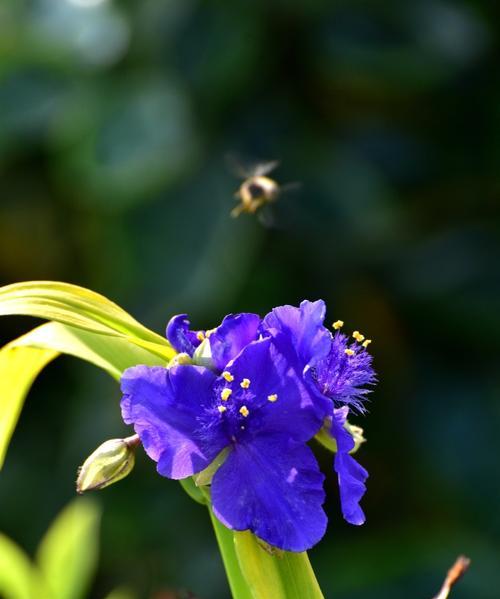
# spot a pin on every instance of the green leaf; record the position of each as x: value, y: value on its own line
x: 22, y: 360
x: 112, y: 354
x: 121, y: 593
x: 276, y: 574
x: 18, y: 577
x: 18, y: 369
x: 87, y: 325
x: 79, y: 307
x: 67, y: 555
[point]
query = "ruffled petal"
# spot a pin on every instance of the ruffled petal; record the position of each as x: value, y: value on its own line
x: 181, y: 337
x: 274, y: 488
x: 351, y: 475
x: 235, y: 332
x: 274, y: 393
x: 172, y: 412
x: 301, y: 328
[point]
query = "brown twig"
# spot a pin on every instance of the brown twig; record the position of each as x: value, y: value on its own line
x: 456, y: 572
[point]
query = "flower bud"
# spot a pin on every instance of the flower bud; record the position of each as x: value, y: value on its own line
x: 357, y: 435
x: 109, y: 463
x: 203, y: 355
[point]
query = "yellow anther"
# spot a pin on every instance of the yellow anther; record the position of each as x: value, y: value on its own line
x: 222, y: 409
x: 367, y: 343
x: 209, y: 332
x: 244, y: 411
x: 200, y: 335
x: 349, y: 352
x: 228, y: 376
x: 338, y: 324
x: 245, y: 383
x: 273, y: 397
x: 225, y: 393
x: 358, y: 336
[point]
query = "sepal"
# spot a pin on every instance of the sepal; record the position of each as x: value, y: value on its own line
x: 204, y: 477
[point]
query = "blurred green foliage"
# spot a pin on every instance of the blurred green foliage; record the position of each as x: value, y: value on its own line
x: 65, y: 562
x: 115, y: 118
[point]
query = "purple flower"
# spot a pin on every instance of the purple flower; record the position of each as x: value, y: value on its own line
x: 261, y: 411
x: 260, y: 390
x: 334, y: 369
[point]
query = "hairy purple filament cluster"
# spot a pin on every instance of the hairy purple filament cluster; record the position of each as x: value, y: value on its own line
x: 267, y: 387
x: 342, y: 376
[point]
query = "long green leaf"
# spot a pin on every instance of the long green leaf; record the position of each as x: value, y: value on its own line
x: 113, y: 354
x: 18, y: 369
x: 79, y: 307
x: 18, y: 577
x: 22, y: 360
x: 67, y: 555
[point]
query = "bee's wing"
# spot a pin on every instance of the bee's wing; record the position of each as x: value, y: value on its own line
x: 245, y: 169
x: 294, y: 186
x: 264, y: 168
x: 236, y: 166
x: 266, y: 217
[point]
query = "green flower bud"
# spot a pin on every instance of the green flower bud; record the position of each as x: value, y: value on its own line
x: 203, y: 355
x: 109, y: 463
x: 357, y: 435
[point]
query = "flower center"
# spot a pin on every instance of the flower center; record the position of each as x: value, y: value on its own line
x: 238, y: 404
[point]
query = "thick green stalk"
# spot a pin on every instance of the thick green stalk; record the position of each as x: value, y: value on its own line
x: 257, y: 571
x: 237, y: 583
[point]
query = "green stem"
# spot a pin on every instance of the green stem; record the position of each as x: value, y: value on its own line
x: 255, y: 570
x: 225, y: 540
x: 271, y: 572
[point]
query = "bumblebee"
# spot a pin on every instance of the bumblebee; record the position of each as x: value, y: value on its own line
x: 257, y: 189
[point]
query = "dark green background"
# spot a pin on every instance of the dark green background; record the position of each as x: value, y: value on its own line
x: 115, y: 118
